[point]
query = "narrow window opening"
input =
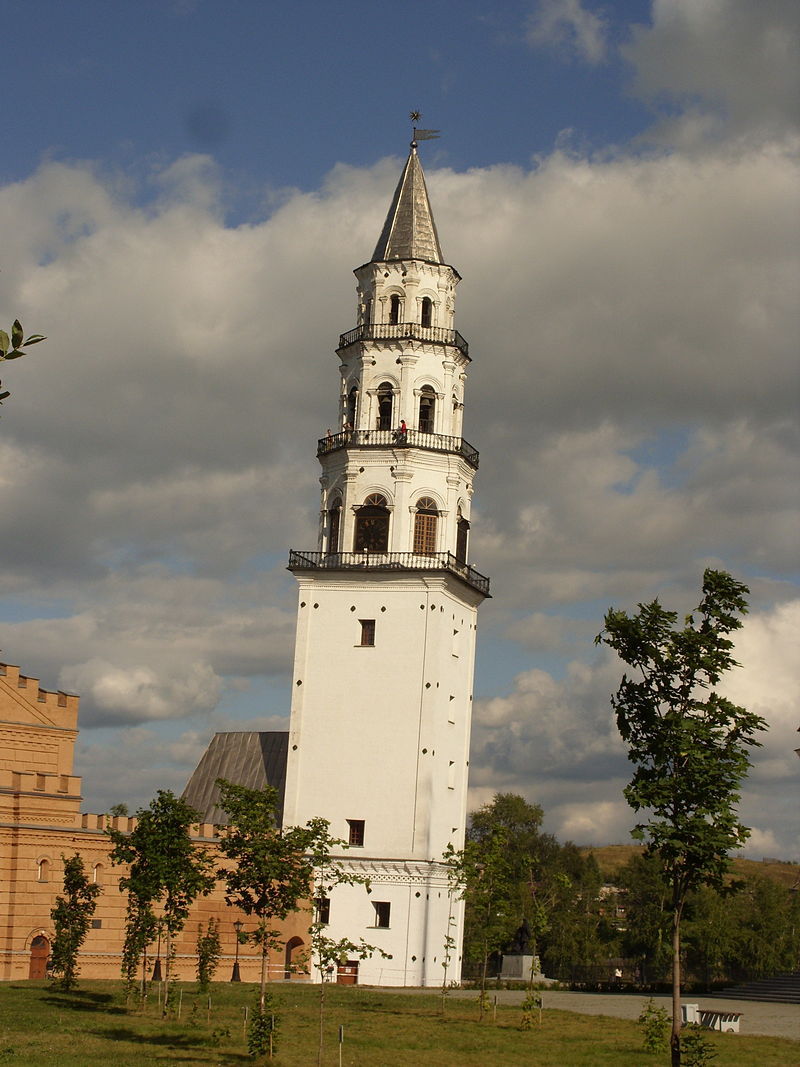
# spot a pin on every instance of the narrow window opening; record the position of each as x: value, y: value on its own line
x: 334, y: 523
x: 383, y: 912
x: 323, y: 906
x: 43, y: 871
x: 451, y: 775
x: 356, y: 834
x: 427, y: 409
x: 427, y: 311
x: 394, y: 309
x: 385, y: 406
x: 97, y: 874
x: 350, y: 409
x: 462, y: 538
x: 367, y: 632
x: 368, y: 311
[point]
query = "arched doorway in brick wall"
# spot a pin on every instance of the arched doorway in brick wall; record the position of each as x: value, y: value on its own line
x: 293, y: 948
x: 40, y: 954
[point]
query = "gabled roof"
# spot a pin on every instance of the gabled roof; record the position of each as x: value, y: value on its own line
x: 409, y: 231
x: 250, y: 759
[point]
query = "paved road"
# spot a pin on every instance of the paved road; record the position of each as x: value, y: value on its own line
x: 772, y: 1020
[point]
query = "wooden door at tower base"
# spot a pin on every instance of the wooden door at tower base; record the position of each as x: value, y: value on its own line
x: 347, y: 973
x: 40, y: 954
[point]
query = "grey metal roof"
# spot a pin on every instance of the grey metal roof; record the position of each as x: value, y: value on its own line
x: 409, y: 231
x: 250, y: 759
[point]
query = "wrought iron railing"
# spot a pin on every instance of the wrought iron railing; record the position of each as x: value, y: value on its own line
x: 402, y: 331
x: 433, y: 442
x: 388, y: 561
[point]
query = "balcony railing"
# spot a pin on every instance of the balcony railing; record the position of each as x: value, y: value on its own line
x: 404, y: 331
x: 388, y: 561
x: 432, y: 442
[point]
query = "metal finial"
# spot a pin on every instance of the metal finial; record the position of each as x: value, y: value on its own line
x: 415, y: 116
x: 420, y: 135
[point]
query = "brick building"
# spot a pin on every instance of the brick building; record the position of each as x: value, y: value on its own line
x: 41, y: 820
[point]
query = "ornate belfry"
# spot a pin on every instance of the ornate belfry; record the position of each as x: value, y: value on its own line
x: 387, y: 608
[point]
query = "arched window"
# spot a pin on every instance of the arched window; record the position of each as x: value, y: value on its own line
x: 97, y: 874
x: 43, y: 871
x: 394, y: 309
x: 385, y: 405
x: 372, y: 525
x: 427, y: 311
x: 350, y: 408
x: 334, y: 524
x: 425, y: 522
x: 427, y: 409
x: 462, y: 538
x: 368, y: 310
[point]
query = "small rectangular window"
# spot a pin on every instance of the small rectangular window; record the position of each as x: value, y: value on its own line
x: 451, y: 775
x: 383, y: 911
x: 367, y: 631
x: 456, y: 643
x: 323, y: 905
x: 97, y: 924
x: 356, y: 837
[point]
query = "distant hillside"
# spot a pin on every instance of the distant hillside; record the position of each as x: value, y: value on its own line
x: 611, y: 857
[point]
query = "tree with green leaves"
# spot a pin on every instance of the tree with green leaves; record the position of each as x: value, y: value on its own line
x: 166, y: 871
x: 766, y: 929
x: 689, y: 745
x: 708, y: 930
x: 331, y: 872
x: 270, y: 874
x: 568, y: 894
x: 208, y: 950
x: 72, y: 916
x: 647, y: 936
x: 12, y: 347
x: 504, y: 887
x: 484, y: 872
x: 551, y: 887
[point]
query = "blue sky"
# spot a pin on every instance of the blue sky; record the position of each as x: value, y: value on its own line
x: 185, y: 189
x: 279, y: 93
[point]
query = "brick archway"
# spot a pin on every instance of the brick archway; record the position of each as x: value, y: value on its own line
x: 40, y: 954
x: 293, y: 946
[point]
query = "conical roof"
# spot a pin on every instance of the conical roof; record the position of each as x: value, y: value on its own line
x: 409, y: 231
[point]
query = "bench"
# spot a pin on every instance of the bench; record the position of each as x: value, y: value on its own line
x: 726, y: 1021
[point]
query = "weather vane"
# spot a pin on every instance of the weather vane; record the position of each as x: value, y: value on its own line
x: 420, y: 135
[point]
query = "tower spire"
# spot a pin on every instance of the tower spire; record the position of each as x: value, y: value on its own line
x: 409, y: 231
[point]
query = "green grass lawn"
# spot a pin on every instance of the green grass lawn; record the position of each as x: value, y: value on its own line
x: 39, y: 1027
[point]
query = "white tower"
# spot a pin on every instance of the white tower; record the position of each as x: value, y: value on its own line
x: 386, y: 623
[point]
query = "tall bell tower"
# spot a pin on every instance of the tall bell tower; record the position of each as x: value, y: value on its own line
x: 387, y: 607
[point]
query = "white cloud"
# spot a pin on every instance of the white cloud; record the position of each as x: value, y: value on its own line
x: 137, y: 694
x: 634, y: 329
x: 732, y: 67
x: 567, y: 25
x: 555, y: 741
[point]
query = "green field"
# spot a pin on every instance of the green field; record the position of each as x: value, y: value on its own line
x: 39, y: 1027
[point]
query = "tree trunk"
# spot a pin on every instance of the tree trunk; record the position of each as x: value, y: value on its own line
x: 482, y: 998
x: 167, y: 970
x: 321, y: 1019
x: 263, y: 994
x: 675, y: 1038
